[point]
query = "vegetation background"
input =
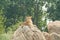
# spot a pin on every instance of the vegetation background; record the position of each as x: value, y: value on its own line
x: 13, y: 13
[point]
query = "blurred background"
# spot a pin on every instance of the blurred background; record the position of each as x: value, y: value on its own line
x: 13, y: 13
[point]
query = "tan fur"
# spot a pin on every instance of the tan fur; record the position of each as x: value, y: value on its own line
x: 27, y: 22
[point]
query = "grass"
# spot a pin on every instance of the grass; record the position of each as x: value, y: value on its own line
x: 8, y: 36
x: 5, y: 36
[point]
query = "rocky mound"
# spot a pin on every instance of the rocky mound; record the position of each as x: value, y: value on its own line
x: 26, y: 33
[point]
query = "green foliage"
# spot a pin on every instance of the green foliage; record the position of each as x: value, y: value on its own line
x: 15, y: 11
x: 54, y: 10
x: 1, y: 22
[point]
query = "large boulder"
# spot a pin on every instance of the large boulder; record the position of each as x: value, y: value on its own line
x: 27, y: 33
x: 46, y: 35
x: 54, y: 27
x: 55, y: 36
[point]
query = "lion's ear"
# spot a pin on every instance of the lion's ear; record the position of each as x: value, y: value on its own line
x: 31, y: 16
x: 28, y: 16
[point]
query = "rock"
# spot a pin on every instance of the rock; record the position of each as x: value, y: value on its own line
x: 55, y: 36
x: 54, y: 27
x: 27, y: 33
x: 46, y: 35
